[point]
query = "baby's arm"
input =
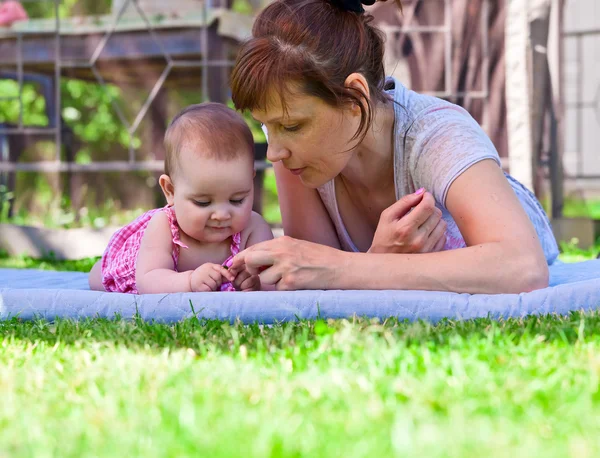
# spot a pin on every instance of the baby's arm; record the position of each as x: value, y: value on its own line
x: 259, y: 230
x: 154, y: 269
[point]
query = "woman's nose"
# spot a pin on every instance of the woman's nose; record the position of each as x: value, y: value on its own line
x: 276, y: 153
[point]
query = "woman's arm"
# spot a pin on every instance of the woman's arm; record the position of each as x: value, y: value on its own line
x: 504, y: 254
x: 303, y: 214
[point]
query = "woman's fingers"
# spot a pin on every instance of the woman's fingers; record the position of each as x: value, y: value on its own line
x: 239, y: 261
x: 440, y: 245
x: 432, y: 222
x: 240, y: 279
x: 255, y: 258
x: 437, y: 238
x: 422, y: 211
x: 252, y: 283
x: 402, y: 207
x: 270, y: 276
x: 256, y: 261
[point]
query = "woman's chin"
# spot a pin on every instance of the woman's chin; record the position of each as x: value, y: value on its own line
x: 312, y: 180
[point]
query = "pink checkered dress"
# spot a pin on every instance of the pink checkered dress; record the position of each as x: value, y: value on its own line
x: 120, y: 257
x: 236, y: 239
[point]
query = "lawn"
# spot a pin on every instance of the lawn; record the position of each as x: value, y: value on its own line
x: 307, y: 389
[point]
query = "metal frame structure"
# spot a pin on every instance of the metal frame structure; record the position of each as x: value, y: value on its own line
x: 205, y: 63
x: 579, y: 105
x: 446, y: 29
x: 55, y: 125
x: 21, y: 129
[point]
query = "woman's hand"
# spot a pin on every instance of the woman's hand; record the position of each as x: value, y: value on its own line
x: 290, y: 264
x: 401, y: 230
x: 245, y: 281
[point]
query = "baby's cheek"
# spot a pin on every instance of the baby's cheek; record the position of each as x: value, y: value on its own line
x: 239, y: 222
x: 246, y: 214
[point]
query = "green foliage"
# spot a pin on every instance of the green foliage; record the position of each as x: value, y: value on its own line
x: 576, y: 207
x: 257, y: 132
x: 242, y: 6
x: 580, y: 208
x: 87, y: 109
x: 33, y: 104
x: 66, y: 8
x: 62, y: 216
x: 571, y: 252
x: 5, y: 198
x: 27, y: 262
x: 271, y: 210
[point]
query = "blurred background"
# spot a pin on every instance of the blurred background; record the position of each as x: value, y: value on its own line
x: 87, y: 88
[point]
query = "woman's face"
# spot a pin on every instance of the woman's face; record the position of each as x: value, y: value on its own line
x: 311, y: 138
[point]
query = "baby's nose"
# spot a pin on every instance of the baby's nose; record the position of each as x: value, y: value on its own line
x: 221, y: 215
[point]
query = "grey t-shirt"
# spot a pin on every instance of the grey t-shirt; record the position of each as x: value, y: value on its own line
x: 436, y: 141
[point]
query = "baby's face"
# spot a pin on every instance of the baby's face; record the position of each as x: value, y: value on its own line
x: 213, y: 198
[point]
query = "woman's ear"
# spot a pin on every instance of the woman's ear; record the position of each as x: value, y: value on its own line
x: 168, y: 188
x: 359, y: 83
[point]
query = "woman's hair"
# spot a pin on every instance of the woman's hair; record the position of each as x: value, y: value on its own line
x: 313, y: 45
x: 215, y: 130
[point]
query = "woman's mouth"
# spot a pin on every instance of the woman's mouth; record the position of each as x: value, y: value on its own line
x: 297, y: 171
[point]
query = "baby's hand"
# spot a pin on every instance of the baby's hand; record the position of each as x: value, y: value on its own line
x: 209, y: 277
x: 244, y: 281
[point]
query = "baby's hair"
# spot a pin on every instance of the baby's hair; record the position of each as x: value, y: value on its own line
x: 216, y: 131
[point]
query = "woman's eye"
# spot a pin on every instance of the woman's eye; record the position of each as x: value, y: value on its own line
x: 201, y: 204
x: 291, y: 128
x: 237, y: 201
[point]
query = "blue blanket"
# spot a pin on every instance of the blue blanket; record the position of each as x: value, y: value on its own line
x: 33, y: 293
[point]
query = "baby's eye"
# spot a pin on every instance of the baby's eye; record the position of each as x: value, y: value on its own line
x: 236, y: 201
x: 201, y: 204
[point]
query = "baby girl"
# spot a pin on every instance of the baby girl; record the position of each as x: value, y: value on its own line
x: 188, y: 245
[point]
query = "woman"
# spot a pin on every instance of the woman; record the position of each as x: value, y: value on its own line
x: 379, y: 187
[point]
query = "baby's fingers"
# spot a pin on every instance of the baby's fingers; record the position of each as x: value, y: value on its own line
x: 226, y: 273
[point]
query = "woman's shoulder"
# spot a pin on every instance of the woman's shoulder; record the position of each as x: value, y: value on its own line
x: 413, y: 101
x: 419, y: 113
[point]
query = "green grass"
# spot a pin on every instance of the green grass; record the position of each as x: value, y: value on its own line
x: 27, y: 262
x: 576, y: 207
x: 309, y: 389
x: 579, y: 208
x: 570, y: 253
x: 351, y: 388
